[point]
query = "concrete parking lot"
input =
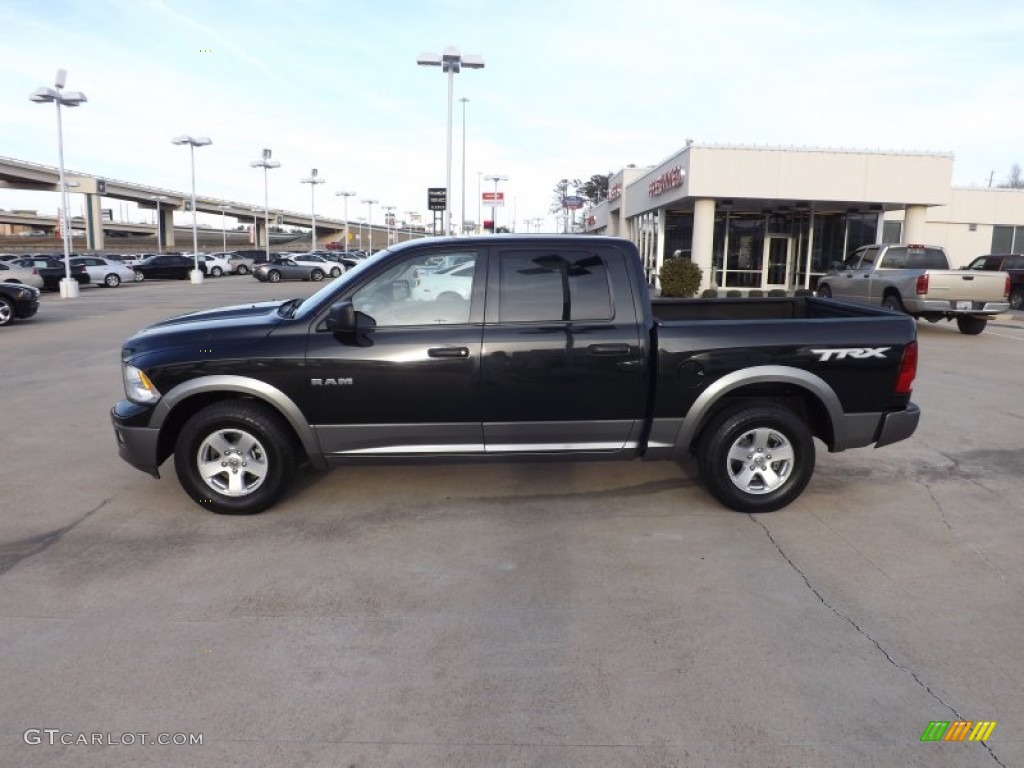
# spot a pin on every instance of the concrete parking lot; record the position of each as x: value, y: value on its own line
x: 505, y: 615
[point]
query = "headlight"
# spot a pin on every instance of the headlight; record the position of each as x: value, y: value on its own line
x: 138, y: 387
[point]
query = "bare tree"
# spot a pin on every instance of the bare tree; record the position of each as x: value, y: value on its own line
x: 1014, y: 180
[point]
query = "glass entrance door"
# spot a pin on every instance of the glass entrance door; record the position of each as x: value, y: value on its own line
x: 778, y: 251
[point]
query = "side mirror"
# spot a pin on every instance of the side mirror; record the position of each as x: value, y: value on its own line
x: 341, y: 318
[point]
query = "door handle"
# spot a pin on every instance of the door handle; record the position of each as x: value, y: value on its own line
x: 609, y: 350
x: 448, y: 352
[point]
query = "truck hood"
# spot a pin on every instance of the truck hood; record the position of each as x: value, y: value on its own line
x: 207, y: 328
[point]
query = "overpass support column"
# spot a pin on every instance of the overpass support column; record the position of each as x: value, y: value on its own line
x: 913, y: 224
x: 93, y: 222
x: 261, y: 234
x: 165, y: 221
x: 703, y: 239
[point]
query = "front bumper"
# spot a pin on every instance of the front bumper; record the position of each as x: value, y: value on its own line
x: 137, y: 442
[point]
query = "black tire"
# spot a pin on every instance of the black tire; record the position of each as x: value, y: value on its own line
x: 336, y: 272
x: 260, y: 436
x: 6, y: 311
x: 824, y: 292
x: 111, y: 281
x: 892, y: 301
x: 449, y: 296
x: 971, y: 326
x: 242, y: 269
x: 273, y: 276
x: 216, y: 272
x: 763, y: 426
x: 1017, y: 298
x: 139, y: 277
x: 316, y: 275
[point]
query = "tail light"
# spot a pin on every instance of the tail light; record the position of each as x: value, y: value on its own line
x: 908, y: 370
x: 1006, y: 288
x: 922, y: 284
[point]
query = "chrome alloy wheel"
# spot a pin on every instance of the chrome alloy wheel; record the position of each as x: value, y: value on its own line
x: 232, y: 462
x: 760, y: 461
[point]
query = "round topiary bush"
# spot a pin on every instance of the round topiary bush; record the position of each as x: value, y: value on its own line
x: 680, y: 278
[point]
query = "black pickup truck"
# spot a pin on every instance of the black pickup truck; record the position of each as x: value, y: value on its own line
x: 544, y: 347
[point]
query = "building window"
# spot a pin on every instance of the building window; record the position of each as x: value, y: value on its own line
x: 1007, y: 239
x: 892, y: 231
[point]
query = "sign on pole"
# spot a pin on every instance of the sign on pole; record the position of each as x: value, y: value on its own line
x: 573, y: 202
x: 493, y: 198
x: 437, y: 198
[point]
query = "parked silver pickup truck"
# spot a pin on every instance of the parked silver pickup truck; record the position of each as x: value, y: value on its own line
x: 916, y: 279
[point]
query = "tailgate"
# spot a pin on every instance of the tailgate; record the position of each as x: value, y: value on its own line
x: 963, y: 285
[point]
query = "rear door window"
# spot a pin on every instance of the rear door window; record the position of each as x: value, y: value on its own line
x: 553, y: 285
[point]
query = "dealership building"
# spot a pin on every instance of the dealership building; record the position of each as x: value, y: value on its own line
x: 779, y: 217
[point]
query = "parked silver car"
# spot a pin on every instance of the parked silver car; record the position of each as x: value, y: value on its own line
x: 276, y: 270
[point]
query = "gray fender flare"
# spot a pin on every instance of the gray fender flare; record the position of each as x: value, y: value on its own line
x: 243, y: 385
x: 762, y: 374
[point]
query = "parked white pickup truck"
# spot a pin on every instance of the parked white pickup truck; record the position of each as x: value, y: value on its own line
x: 916, y: 279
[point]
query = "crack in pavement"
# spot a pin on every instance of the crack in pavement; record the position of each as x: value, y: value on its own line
x: 15, y: 552
x: 957, y: 536
x: 860, y: 630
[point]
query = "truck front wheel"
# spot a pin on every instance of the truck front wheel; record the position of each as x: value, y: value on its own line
x: 756, y: 458
x: 235, y: 457
x: 971, y: 326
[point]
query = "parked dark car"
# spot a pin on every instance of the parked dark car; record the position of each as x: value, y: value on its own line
x: 167, y: 267
x: 17, y: 301
x: 1013, y: 265
x: 558, y: 353
x: 51, y: 269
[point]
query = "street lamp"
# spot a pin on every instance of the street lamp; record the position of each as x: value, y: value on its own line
x: 266, y: 163
x: 494, y: 203
x: 451, y: 62
x: 68, y: 287
x: 345, y: 196
x: 224, y: 228
x: 193, y: 142
x: 369, y: 224
x: 464, y: 100
x: 361, y: 220
x: 313, y: 180
x: 159, y: 222
x: 389, y: 217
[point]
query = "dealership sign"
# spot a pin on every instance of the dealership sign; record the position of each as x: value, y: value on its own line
x: 493, y: 198
x: 615, y: 191
x: 437, y: 198
x: 671, y: 178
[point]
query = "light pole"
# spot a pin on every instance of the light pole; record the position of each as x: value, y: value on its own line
x: 68, y: 287
x: 494, y: 203
x: 193, y: 142
x: 255, y: 240
x: 479, y: 202
x: 408, y: 222
x: 313, y: 180
x: 266, y: 164
x: 224, y: 229
x: 159, y: 222
x: 462, y: 228
x: 451, y: 62
x: 389, y: 217
x: 345, y: 196
x: 361, y: 248
x: 369, y: 223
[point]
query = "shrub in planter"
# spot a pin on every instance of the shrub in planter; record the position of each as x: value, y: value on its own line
x: 680, y: 278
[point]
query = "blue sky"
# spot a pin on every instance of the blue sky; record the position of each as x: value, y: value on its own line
x: 569, y: 89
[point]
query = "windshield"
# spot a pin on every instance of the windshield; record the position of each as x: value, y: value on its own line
x: 315, y: 302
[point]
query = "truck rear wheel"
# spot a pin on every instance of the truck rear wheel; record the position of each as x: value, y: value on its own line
x: 235, y: 457
x: 756, y: 457
x: 892, y: 301
x: 971, y: 326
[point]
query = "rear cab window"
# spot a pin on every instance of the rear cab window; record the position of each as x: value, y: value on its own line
x: 547, y: 285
